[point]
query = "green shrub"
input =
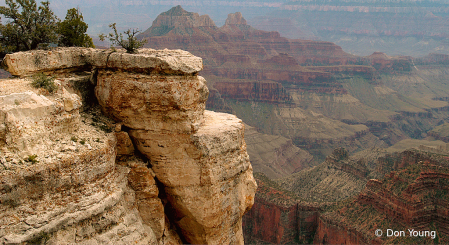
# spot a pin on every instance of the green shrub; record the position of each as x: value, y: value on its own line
x: 129, y: 43
x: 105, y: 128
x: 41, y: 238
x: 41, y: 80
x: 74, y: 139
x: 32, y: 159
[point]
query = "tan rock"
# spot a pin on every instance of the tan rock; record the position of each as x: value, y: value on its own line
x: 124, y: 144
x: 29, y: 62
x: 155, y: 61
x: 153, y: 102
x: 27, y: 118
x: 198, y: 157
x: 71, y: 101
x: 207, y: 177
x: 149, y: 205
x: 145, y: 61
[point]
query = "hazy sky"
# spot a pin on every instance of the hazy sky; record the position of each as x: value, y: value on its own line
x: 99, y: 14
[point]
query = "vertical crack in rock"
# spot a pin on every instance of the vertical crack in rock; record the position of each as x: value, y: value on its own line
x: 199, y: 156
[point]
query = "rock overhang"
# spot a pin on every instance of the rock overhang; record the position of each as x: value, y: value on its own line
x: 146, y: 61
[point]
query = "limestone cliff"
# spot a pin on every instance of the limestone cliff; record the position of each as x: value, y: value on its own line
x: 152, y: 167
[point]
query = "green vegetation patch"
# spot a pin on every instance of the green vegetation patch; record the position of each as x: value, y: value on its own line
x: 40, y: 80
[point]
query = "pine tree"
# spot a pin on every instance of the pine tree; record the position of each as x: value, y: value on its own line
x: 73, y: 29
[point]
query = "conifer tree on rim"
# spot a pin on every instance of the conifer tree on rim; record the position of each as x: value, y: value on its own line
x: 29, y: 25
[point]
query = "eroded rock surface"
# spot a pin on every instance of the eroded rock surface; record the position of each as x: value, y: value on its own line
x: 164, y: 172
x: 145, y: 61
x: 200, y: 157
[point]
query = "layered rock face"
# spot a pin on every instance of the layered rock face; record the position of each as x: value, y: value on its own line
x: 275, y: 83
x: 404, y: 190
x: 274, y: 155
x: 197, y: 159
x: 192, y: 153
x: 59, y: 179
x: 412, y: 196
x: 279, y: 217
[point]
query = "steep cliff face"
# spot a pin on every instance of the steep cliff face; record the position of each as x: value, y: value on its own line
x: 254, y: 91
x: 190, y: 180
x: 278, y: 217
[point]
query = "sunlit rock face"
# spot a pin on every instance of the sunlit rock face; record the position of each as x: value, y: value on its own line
x: 195, y: 186
x: 199, y: 156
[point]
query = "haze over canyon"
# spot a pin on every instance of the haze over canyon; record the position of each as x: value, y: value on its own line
x: 339, y: 108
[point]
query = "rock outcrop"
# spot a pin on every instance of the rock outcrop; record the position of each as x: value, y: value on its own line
x: 197, y: 183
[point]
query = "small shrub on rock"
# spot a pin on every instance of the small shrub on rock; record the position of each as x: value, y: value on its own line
x: 41, y: 80
x: 129, y: 43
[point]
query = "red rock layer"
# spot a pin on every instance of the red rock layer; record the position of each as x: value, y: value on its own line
x: 308, y: 143
x: 368, y: 72
x: 307, y: 80
x: 406, y: 209
x: 330, y: 231
x: 358, y: 170
x: 382, y: 62
x: 273, y: 223
x: 278, y: 218
x: 438, y: 137
x: 238, y: 51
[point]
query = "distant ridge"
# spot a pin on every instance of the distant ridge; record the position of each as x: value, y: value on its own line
x: 178, y: 21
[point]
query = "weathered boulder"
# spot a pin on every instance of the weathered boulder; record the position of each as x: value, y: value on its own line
x: 27, y: 118
x: 124, y: 144
x: 152, y: 102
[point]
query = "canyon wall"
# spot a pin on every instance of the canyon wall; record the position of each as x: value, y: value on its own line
x: 412, y: 196
x: 157, y: 169
x: 410, y: 193
x: 245, y: 66
x: 278, y: 217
